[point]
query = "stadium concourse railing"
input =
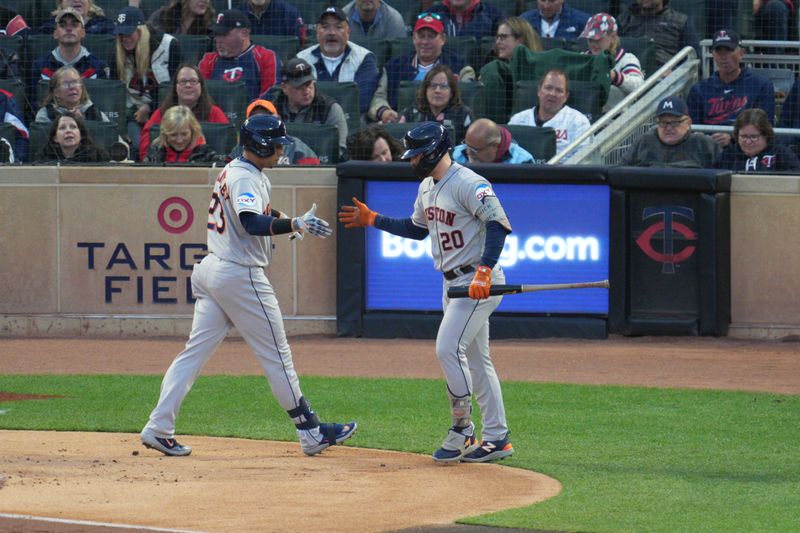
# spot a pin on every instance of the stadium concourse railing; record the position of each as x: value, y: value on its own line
x: 615, y: 131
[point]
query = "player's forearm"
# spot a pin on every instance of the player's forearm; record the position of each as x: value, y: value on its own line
x: 493, y: 245
x: 402, y: 227
x: 265, y: 225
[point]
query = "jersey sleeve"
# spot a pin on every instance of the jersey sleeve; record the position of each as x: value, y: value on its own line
x: 245, y: 196
x: 418, y: 216
x: 479, y: 197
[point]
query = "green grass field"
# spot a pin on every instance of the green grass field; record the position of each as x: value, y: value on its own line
x: 630, y: 459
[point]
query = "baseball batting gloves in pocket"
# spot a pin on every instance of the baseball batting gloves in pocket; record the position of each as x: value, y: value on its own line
x: 312, y: 224
x: 481, y: 283
x: 357, y: 216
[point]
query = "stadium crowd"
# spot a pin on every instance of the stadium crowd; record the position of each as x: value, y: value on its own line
x: 169, y: 82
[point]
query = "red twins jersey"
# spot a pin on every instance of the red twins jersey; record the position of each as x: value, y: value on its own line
x: 455, y: 211
x: 240, y: 187
x: 257, y: 67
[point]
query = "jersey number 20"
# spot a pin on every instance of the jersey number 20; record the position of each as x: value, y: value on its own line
x: 452, y: 240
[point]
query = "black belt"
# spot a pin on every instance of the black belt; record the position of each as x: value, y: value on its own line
x: 450, y: 275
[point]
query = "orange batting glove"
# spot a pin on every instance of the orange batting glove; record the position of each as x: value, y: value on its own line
x: 481, y: 283
x: 357, y: 216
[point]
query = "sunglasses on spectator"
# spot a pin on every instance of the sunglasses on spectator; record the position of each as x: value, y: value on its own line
x: 437, y: 16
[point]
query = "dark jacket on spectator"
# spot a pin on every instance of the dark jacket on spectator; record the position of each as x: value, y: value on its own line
x: 712, y: 101
x: 87, y: 65
x: 460, y: 116
x: 280, y: 18
x: 774, y: 158
x: 695, y: 151
x: 86, y: 153
x: 9, y: 64
x: 404, y: 68
x: 481, y: 22
x: 671, y: 30
x: 11, y: 113
x: 570, y: 25
x: 169, y: 21
x: 202, y: 153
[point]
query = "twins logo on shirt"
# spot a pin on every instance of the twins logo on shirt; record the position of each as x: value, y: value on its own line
x: 232, y: 74
x: 766, y: 161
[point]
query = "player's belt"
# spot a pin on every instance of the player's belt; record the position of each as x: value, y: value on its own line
x: 450, y: 275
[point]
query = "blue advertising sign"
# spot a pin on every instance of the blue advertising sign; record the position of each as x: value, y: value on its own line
x: 560, y: 236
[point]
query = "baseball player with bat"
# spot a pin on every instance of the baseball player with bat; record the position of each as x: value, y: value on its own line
x: 468, y: 228
x: 232, y: 289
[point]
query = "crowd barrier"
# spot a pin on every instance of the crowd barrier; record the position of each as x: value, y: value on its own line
x: 108, y: 251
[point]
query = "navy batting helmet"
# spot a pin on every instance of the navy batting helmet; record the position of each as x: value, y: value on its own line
x: 260, y: 134
x: 430, y: 140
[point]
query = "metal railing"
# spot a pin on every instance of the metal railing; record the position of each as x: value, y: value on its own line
x: 615, y: 131
x: 758, y: 54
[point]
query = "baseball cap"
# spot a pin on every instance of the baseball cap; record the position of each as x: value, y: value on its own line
x: 598, y: 26
x: 128, y: 19
x: 228, y: 20
x: 725, y: 39
x: 266, y: 104
x: 72, y: 12
x: 332, y: 10
x: 432, y: 21
x: 672, y: 105
x: 297, y: 71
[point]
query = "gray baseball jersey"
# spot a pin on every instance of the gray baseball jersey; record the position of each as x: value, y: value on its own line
x: 455, y: 211
x: 232, y: 290
x: 240, y: 187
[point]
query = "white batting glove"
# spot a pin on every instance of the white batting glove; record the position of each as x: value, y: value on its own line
x: 312, y: 224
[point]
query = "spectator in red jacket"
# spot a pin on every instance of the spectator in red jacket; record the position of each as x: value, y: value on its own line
x: 237, y: 59
x: 188, y: 89
x: 180, y: 140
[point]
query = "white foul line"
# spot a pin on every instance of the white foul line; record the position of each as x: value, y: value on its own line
x: 89, y: 523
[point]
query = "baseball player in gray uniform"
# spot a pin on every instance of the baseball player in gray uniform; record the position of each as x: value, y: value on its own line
x: 232, y: 289
x: 468, y: 227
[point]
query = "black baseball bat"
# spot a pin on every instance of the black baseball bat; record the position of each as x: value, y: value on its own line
x: 462, y: 291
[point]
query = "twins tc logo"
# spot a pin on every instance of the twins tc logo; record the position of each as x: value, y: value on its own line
x: 668, y: 227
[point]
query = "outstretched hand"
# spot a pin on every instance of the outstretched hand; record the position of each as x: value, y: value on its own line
x: 312, y: 224
x: 357, y: 216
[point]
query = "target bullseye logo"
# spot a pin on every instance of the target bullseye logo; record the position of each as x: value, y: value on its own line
x: 175, y: 215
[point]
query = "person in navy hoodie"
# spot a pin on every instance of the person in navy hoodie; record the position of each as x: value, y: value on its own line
x: 719, y: 99
x: 554, y: 18
x: 755, y: 149
x: 12, y: 114
x: 274, y: 17
x: 469, y: 18
x: 70, y: 52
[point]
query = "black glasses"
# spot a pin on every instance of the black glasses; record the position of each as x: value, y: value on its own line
x: 437, y: 16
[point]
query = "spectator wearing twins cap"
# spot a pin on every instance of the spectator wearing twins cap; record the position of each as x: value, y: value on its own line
x: 601, y: 34
x: 429, y: 39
